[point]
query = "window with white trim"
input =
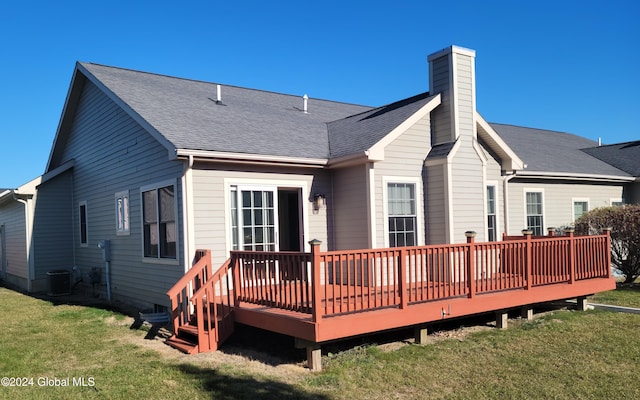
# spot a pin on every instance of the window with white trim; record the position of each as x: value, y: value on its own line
x: 401, y: 207
x: 122, y: 213
x: 535, y: 215
x: 580, y: 207
x: 159, y: 222
x: 492, y: 228
x: 83, y: 224
x: 617, y: 202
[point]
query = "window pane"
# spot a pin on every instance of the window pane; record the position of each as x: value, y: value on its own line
x: 149, y: 206
x: 166, y: 204
x: 83, y: 224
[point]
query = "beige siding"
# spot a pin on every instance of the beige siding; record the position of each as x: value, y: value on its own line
x: 558, y: 201
x: 468, y: 192
x: 404, y: 158
x: 494, y: 176
x: 350, y: 199
x: 436, y: 206
x: 464, y: 95
x: 113, y: 153
x: 210, y: 198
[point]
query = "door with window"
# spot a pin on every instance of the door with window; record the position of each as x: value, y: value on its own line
x: 265, y: 218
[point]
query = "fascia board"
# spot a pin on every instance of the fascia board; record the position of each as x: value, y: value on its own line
x: 377, y: 150
x: 250, y: 158
x: 493, y: 139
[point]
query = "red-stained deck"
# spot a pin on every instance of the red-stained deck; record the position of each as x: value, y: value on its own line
x: 323, y: 296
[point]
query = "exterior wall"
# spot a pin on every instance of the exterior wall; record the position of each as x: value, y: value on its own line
x: 52, y: 229
x: 350, y: 192
x: 112, y: 153
x: 436, y: 203
x: 403, y: 162
x: 557, y: 200
x: 493, y: 176
x: 467, y: 203
x: 632, y: 193
x: 211, y: 212
x: 441, y: 116
x: 12, y: 216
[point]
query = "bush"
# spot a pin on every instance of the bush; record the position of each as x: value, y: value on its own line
x: 625, y: 235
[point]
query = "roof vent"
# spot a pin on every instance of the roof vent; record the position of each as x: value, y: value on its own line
x: 305, y: 100
x: 218, y: 94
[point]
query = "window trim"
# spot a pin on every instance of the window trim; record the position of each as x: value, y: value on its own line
x: 616, y: 200
x: 494, y: 185
x: 126, y: 229
x: 386, y: 180
x: 86, y: 223
x: 575, y: 200
x: 544, y: 208
x: 156, y: 186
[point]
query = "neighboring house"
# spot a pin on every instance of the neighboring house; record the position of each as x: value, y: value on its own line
x: 162, y: 166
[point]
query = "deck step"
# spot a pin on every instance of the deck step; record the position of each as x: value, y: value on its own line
x: 189, y: 330
x: 185, y: 346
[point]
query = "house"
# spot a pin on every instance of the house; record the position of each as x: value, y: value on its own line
x: 159, y: 167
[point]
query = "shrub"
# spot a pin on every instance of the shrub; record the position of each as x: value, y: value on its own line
x: 625, y: 235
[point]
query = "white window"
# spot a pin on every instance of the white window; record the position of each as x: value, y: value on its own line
x: 535, y: 212
x: 83, y: 224
x: 254, y: 224
x: 580, y: 207
x: 617, y: 202
x: 122, y: 213
x: 159, y: 221
x: 402, y: 216
x: 492, y: 228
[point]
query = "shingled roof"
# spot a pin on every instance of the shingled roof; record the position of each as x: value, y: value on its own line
x: 624, y: 156
x: 245, y: 121
x: 548, y: 151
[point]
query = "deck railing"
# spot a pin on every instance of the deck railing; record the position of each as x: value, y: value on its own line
x: 339, y: 282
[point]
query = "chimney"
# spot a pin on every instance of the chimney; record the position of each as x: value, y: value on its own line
x: 452, y: 74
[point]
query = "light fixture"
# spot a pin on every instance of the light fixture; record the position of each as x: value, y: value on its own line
x: 319, y: 201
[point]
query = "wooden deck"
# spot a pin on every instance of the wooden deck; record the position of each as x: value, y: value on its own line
x: 319, y: 296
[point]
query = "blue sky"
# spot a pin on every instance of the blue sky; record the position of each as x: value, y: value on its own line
x: 570, y: 66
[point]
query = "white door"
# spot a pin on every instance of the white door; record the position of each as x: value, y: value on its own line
x: 257, y: 218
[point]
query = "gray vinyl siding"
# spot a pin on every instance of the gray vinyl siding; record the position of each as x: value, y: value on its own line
x: 632, y: 193
x: 441, y: 116
x: 113, y: 153
x: 12, y: 216
x: 436, y: 206
x: 467, y: 202
x: 350, y: 199
x: 210, y: 202
x: 404, y: 157
x: 558, y: 201
x: 53, y: 230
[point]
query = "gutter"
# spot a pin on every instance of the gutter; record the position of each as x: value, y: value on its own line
x: 574, y: 176
x: 220, y: 156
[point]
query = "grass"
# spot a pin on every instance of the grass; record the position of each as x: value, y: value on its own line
x: 627, y: 295
x: 562, y: 355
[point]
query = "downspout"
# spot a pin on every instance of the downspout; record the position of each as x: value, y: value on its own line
x: 186, y: 212
x: 29, y: 240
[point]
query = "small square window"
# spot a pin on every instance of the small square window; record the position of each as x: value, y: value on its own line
x: 122, y: 213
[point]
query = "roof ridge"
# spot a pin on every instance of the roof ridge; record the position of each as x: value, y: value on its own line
x: 219, y: 83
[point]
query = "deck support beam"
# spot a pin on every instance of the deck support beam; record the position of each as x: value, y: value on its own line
x: 501, y: 319
x: 420, y: 334
x: 582, y: 303
x: 527, y: 313
x: 314, y: 353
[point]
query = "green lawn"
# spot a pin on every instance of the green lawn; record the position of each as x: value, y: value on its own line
x: 565, y: 355
x: 624, y: 295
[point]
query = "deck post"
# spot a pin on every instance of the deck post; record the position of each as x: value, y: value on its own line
x: 551, y: 231
x: 402, y: 278
x: 471, y: 261
x: 527, y: 234
x: 237, y: 285
x: 582, y: 303
x: 607, y: 231
x: 420, y: 334
x: 501, y: 319
x: 527, y: 313
x: 572, y: 254
x: 314, y: 353
x: 316, y: 301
